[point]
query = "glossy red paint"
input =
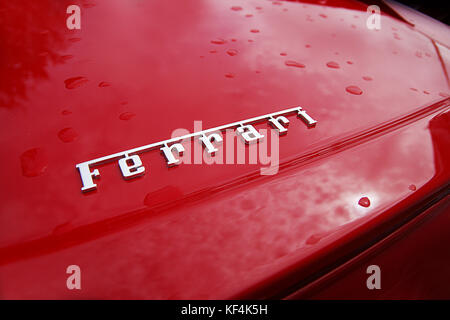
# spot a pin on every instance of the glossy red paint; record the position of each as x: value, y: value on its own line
x: 413, y: 261
x: 136, y: 71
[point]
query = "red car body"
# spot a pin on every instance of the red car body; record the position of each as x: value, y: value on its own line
x: 138, y: 70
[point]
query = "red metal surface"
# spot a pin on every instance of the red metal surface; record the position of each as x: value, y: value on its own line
x: 136, y: 71
x: 413, y: 263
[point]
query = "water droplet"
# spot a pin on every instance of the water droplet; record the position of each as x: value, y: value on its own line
x: 212, y: 51
x: 258, y: 8
x: 236, y: 8
x: 67, y: 135
x: 292, y: 63
x: 250, y: 40
x: 75, y: 82
x: 354, y: 90
x: 62, y: 228
x: 257, y: 71
x: 323, y: 15
x: 66, y: 112
x: 104, y: 84
x: 426, y: 92
x: 248, y: 15
x: 233, y: 40
x: 66, y: 57
x: 126, y: 116
x: 218, y: 41
x: 397, y: 37
x: 413, y: 89
x: 444, y: 95
x: 254, y: 30
x: 307, y: 46
x: 313, y: 239
x: 229, y: 75
x: 33, y: 162
x: 283, y: 54
x: 232, y: 52
x: 349, y: 62
x: 364, y: 202
x: 333, y: 65
x: 277, y: 3
x: 412, y: 187
x: 367, y: 78
x: 418, y: 54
